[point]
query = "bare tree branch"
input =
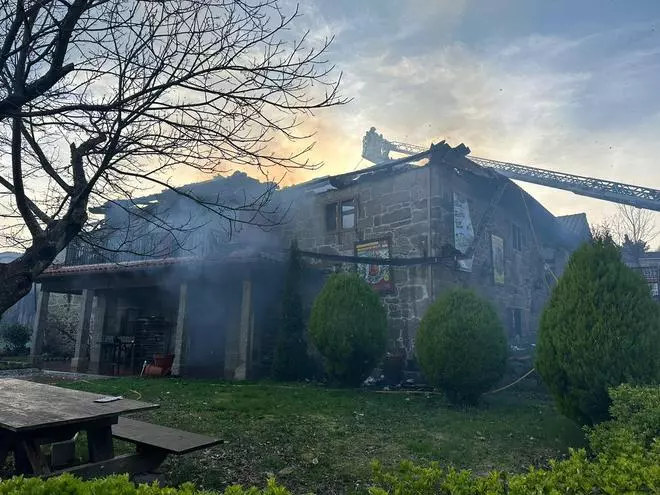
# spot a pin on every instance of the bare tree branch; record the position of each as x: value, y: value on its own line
x: 103, y: 101
x: 634, y: 224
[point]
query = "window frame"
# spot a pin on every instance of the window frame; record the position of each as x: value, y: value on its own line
x: 518, y: 241
x: 337, y: 207
x: 341, y: 214
x: 326, y: 216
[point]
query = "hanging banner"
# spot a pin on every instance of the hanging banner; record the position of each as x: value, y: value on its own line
x: 463, y: 231
x: 498, y: 259
x: 378, y: 276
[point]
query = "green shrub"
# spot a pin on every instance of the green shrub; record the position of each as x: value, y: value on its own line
x: 599, y: 329
x: 348, y: 326
x: 17, y: 336
x: 461, y: 345
x: 291, y: 361
x: 117, y: 485
x: 635, y: 413
x: 630, y: 473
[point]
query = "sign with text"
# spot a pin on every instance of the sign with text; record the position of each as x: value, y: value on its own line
x: 378, y: 276
x: 463, y: 231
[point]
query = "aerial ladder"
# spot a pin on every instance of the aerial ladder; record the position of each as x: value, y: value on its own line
x: 377, y: 149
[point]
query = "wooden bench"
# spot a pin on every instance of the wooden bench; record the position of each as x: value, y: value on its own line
x: 153, y: 444
x: 161, y: 438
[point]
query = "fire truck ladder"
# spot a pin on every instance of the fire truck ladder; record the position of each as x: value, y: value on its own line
x: 376, y: 149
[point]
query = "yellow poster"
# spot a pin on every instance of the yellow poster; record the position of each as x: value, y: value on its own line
x: 377, y: 275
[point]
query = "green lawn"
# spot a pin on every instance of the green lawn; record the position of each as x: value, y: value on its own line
x: 322, y: 439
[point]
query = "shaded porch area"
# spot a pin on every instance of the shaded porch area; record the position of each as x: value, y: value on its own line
x: 211, y: 318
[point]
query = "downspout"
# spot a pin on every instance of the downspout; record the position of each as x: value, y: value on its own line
x: 429, y: 242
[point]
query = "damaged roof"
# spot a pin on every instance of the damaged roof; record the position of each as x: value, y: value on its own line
x: 235, y: 254
x: 570, y: 230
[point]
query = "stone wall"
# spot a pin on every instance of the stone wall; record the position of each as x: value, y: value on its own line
x: 396, y: 206
x: 524, y: 288
x: 62, y: 324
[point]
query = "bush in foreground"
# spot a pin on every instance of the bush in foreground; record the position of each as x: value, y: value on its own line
x: 348, y: 326
x: 635, y: 421
x: 290, y: 361
x: 599, y: 329
x: 461, y: 345
x: 638, y: 473
x: 117, y: 485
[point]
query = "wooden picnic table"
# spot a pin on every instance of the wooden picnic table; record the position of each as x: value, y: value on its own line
x: 33, y: 414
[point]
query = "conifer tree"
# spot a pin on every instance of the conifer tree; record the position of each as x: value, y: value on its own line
x: 291, y: 362
x: 600, y: 328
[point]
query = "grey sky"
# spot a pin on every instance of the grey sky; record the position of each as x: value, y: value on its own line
x: 570, y: 86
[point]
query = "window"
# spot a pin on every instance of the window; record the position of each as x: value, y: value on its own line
x: 348, y: 214
x: 340, y: 215
x: 518, y: 238
x: 516, y: 322
x: 331, y: 217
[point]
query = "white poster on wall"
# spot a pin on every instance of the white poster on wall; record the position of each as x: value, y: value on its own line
x: 463, y: 231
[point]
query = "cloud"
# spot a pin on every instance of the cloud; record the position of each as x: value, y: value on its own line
x: 519, y: 102
x: 581, y: 104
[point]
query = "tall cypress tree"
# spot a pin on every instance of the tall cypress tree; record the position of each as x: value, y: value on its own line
x: 290, y: 361
x: 599, y: 329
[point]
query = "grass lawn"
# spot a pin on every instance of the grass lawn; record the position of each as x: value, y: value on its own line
x: 323, y: 439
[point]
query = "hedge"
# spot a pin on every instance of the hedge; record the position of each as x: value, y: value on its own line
x: 117, y: 485
x: 634, y: 472
x: 631, y: 473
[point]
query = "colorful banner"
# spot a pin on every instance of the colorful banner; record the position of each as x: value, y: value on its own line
x: 463, y: 231
x: 498, y: 259
x: 378, y: 276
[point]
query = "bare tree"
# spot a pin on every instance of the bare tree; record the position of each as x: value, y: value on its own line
x: 100, y: 97
x: 634, y: 224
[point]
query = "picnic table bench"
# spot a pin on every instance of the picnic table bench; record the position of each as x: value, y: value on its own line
x: 34, y: 414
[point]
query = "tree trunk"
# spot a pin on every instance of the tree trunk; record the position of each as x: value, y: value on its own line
x: 17, y: 277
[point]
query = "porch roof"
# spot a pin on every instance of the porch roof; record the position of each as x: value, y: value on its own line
x: 236, y: 257
x: 73, y: 279
x: 60, y: 270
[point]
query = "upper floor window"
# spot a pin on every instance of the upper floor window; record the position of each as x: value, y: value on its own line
x: 518, y: 241
x: 340, y: 215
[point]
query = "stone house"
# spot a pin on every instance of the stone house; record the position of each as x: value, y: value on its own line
x: 447, y: 223
x: 411, y: 231
x: 646, y: 263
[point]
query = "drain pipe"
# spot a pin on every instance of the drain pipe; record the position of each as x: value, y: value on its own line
x: 429, y: 247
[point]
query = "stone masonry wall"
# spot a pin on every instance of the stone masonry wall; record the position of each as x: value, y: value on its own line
x: 524, y: 287
x: 63, y: 317
x: 395, y: 206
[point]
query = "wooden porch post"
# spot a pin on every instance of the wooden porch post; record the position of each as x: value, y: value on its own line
x: 244, y: 332
x: 39, y: 328
x: 97, y: 326
x: 80, y: 358
x: 180, y: 335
